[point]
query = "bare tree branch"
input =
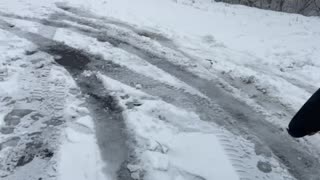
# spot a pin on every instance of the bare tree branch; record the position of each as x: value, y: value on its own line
x: 305, y: 6
x: 281, y: 5
x: 317, y: 5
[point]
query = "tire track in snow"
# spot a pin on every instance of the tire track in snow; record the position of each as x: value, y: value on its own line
x: 247, y: 118
x: 238, y: 110
x: 107, y: 116
x: 117, y: 72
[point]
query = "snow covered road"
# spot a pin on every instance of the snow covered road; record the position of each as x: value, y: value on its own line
x: 87, y: 96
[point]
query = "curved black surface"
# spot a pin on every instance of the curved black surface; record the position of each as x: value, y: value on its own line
x: 307, y: 120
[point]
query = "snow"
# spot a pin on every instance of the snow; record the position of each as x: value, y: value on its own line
x: 26, y: 25
x: 274, y: 42
x: 118, y: 87
x: 277, y: 49
x: 172, y: 143
x: 80, y: 158
x: 252, y: 52
x: 26, y: 8
x: 86, y: 121
x: 203, y: 149
x: 79, y: 155
x: 12, y: 48
x: 121, y: 57
x: 2, y: 115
